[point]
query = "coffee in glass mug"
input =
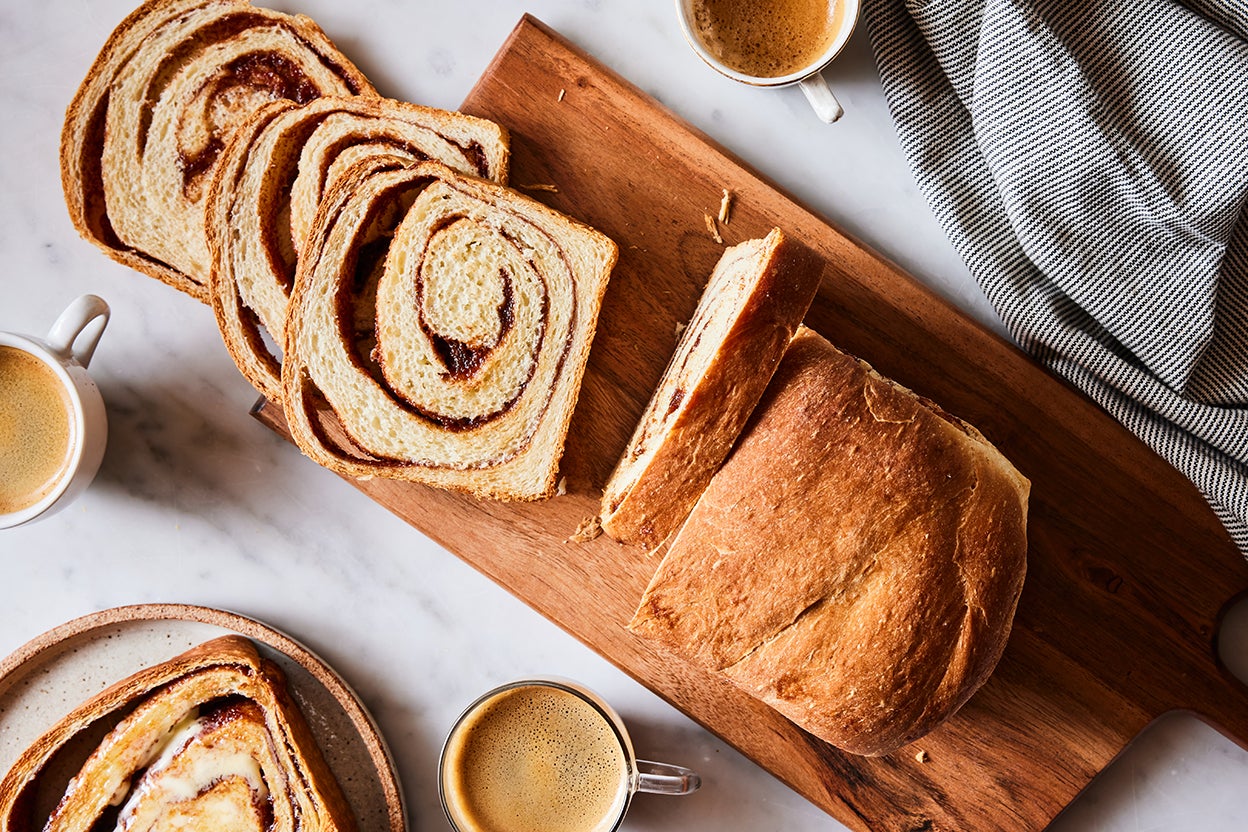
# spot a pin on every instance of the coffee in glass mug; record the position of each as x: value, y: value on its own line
x: 549, y: 755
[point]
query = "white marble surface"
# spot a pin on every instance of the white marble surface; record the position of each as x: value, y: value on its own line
x: 197, y: 503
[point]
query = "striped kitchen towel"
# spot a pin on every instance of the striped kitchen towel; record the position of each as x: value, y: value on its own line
x: 1089, y: 161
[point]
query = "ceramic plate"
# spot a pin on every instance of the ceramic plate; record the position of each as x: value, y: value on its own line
x: 51, y: 675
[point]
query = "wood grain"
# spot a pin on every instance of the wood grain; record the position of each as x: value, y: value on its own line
x: 1129, y: 570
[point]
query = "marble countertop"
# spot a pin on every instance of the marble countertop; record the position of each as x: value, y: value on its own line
x: 198, y: 503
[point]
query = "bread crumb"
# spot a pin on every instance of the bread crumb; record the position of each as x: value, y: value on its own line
x: 561, y: 487
x: 540, y: 187
x: 680, y: 328
x: 921, y: 756
x: 562, y: 93
x: 590, y: 528
x: 725, y: 206
x: 713, y: 229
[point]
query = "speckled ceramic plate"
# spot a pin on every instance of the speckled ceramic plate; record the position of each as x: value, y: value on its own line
x: 49, y: 676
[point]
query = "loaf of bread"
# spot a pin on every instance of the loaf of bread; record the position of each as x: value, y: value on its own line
x: 855, y: 563
x: 146, y: 128
x: 756, y: 298
x: 268, y: 185
x: 209, y: 740
x: 452, y: 352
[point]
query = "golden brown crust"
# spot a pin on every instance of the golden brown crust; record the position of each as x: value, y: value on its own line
x: 228, y: 667
x: 710, y: 389
x: 857, y: 561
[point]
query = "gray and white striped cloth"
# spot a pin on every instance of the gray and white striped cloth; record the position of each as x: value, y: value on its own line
x: 1089, y: 161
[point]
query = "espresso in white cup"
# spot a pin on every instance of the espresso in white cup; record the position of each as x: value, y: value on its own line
x: 53, y: 428
x: 772, y: 43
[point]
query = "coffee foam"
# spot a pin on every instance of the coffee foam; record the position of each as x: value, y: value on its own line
x: 36, y: 429
x: 535, y: 757
x: 768, y: 38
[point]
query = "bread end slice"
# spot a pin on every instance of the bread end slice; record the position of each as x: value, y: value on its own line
x: 754, y: 301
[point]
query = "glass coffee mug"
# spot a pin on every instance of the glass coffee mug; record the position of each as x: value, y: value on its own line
x: 765, y: 43
x: 53, y: 427
x: 546, y: 754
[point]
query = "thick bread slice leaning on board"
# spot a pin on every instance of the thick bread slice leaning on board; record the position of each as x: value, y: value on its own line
x: 449, y: 350
x: 755, y: 300
x: 855, y: 563
x: 269, y: 183
x: 208, y: 740
x: 146, y: 128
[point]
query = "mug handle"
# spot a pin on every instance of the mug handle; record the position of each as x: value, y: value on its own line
x: 820, y: 96
x: 663, y: 778
x: 71, y: 323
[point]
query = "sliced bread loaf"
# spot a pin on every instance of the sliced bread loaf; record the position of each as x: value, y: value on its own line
x: 461, y: 365
x: 268, y: 185
x: 147, y: 126
x: 855, y: 563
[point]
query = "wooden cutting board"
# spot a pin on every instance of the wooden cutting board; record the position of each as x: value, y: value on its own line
x: 1129, y: 570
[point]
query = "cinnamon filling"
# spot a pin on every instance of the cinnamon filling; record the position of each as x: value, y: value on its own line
x: 474, y: 153
x: 461, y: 359
x: 241, y: 85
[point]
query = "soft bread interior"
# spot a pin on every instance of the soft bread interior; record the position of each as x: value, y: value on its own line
x: 213, y: 67
x: 269, y: 186
x: 717, y: 311
x: 207, y: 740
x: 484, y: 315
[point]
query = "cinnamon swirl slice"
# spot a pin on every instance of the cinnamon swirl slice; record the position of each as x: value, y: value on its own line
x: 146, y: 128
x: 209, y: 740
x: 755, y: 300
x: 468, y: 365
x: 270, y: 181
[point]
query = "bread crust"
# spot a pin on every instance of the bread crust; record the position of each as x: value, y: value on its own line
x: 255, y: 183
x: 528, y: 471
x: 689, y: 433
x: 246, y: 674
x: 83, y: 133
x: 857, y: 561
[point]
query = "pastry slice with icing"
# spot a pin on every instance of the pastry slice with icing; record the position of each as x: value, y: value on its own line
x: 209, y: 740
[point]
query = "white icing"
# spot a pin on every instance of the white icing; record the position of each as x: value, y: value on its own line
x: 161, y: 786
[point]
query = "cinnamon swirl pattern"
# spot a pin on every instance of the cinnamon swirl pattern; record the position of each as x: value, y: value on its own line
x: 270, y: 181
x: 208, y: 740
x: 146, y: 129
x: 452, y: 353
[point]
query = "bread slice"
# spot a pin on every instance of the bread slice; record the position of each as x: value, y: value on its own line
x: 209, y: 740
x: 461, y: 368
x: 270, y: 180
x: 146, y: 128
x: 855, y: 563
x: 757, y: 296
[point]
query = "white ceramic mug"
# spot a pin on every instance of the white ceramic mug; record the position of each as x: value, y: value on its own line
x: 809, y: 77
x: 628, y: 775
x: 66, y: 352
